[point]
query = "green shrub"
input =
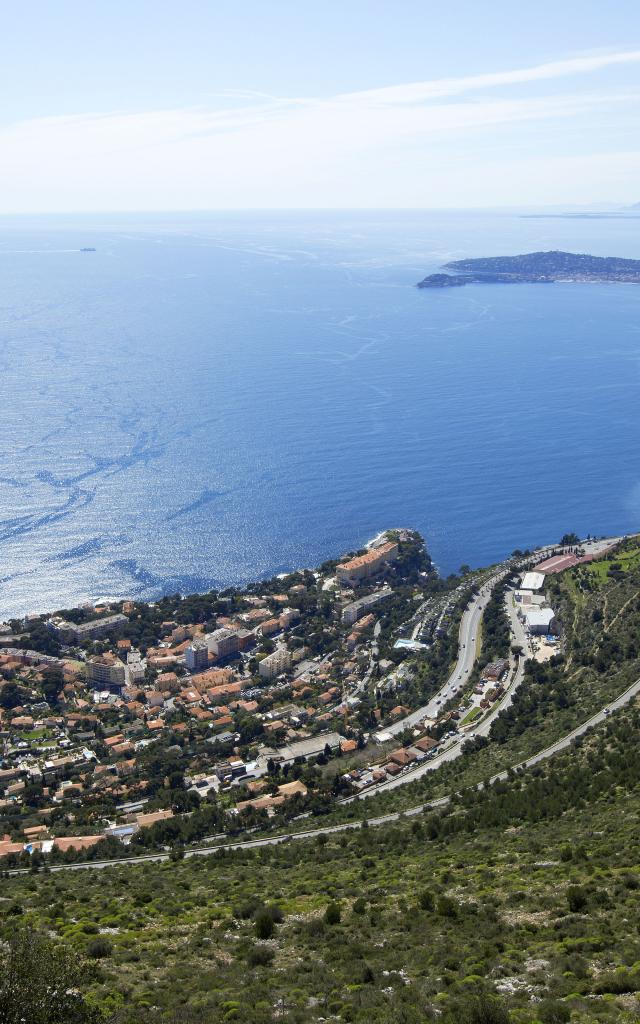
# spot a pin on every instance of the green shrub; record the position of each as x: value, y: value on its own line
x: 99, y: 947
x: 552, y: 1011
x: 447, y: 907
x: 260, y: 956
x: 247, y: 909
x: 264, y: 924
x: 618, y: 983
x: 576, y: 898
x: 426, y: 900
x: 42, y: 981
x: 277, y: 915
x: 332, y: 914
x: 480, y: 1009
x: 368, y: 976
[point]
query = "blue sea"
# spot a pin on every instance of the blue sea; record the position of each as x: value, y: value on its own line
x: 206, y: 400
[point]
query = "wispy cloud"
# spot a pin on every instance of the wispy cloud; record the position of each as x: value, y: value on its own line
x: 415, y: 92
x: 250, y: 148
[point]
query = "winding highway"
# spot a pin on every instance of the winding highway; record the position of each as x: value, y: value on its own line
x: 453, y: 749
x: 385, y: 819
x: 469, y: 627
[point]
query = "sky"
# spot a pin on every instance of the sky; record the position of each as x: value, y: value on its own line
x: 277, y: 104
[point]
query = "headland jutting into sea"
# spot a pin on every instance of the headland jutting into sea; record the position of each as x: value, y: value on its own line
x: 536, y: 268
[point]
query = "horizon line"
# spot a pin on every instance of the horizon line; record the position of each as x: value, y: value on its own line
x: 617, y: 207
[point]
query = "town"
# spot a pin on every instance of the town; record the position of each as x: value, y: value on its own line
x: 135, y: 725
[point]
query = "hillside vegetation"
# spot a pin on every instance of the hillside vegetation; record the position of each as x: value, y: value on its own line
x: 519, y: 902
x: 514, y: 902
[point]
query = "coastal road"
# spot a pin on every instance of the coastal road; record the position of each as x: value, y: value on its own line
x: 467, y: 639
x: 385, y: 819
x: 468, y: 628
x: 453, y: 749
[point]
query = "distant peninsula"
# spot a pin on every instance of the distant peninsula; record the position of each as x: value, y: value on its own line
x: 535, y: 267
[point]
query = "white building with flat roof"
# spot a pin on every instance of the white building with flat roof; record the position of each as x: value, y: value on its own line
x: 196, y: 655
x: 106, y: 669
x: 354, y: 611
x: 540, y: 620
x: 532, y: 581
x: 275, y: 664
x: 136, y: 666
x: 310, y: 747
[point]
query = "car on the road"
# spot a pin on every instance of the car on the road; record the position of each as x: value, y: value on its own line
x: 473, y: 637
x: 607, y: 711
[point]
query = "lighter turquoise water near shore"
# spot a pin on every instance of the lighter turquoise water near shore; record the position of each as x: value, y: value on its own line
x: 206, y: 400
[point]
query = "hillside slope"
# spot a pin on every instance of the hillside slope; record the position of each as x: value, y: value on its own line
x: 519, y: 902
